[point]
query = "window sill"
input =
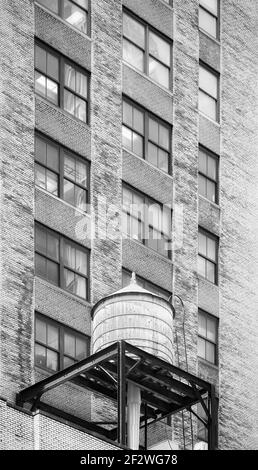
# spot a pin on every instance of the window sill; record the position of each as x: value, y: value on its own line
x: 54, y: 106
x: 63, y: 292
x: 201, y: 278
x: 216, y: 123
x: 217, y: 41
x: 212, y: 366
x: 163, y: 173
x: 169, y: 92
x: 213, y: 204
x: 80, y: 211
x: 57, y: 17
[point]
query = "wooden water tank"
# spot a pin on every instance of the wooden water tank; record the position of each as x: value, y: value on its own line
x: 137, y: 316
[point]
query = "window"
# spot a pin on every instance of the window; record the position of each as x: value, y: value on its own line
x: 126, y: 279
x: 208, y: 93
x: 208, y: 175
x: 202, y: 430
x: 61, y: 82
x: 61, y: 261
x: 208, y: 17
x: 147, y: 221
x: 57, y: 346
x: 147, y: 136
x: 208, y: 256
x: 146, y: 51
x: 61, y: 173
x: 207, y: 337
x: 75, y: 12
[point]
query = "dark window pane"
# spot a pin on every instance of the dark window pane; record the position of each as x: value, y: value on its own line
x: 41, y: 150
x: 201, y: 266
x: 210, y: 271
x: 211, y: 249
x: 69, y: 255
x: 52, y: 336
x: 159, y: 48
x: 138, y: 119
x: 81, y: 262
x: 163, y: 137
x: 158, y: 72
x: 41, y: 331
x: 127, y: 114
x: 53, y: 246
x: 134, y: 30
x: 212, y: 168
x: 53, y: 272
x: 52, y: 360
x: 210, y: 352
x: 81, y: 84
x: 40, y: 176
x: 202, y: 162
x: 40, y: 266
x: 52, y: 67
x: 52, y: 157
x: 81, y: 349
x: 152, y: 156
x: 211, y: 329
x: 69, y: 167
x: 153, y: 131
x: 75, y: 16
x: 202, y: 244
x: 40, y: 355
x: 50, y: 4
x: 201, y: 348
x: 133, y: 55
x: 41, y: 240
x: 202, y: 185
x: 202, y: 325
x: 40, y: 59
x: 69, y: 344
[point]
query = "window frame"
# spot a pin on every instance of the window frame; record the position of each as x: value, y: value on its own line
x: 61, y: 10
x: 147, y: 29
x: 163, y: 292
x: 217, y: 100
x: 216, y: 182
x: 217, y: 17
x: 62, y: 61
x: 146, y: 224
x: 206, y: 258
x: 147, y: 115
x: 62, y: 151
x: 62, y: 329
x: 61, y: 264
x: 204, y: 338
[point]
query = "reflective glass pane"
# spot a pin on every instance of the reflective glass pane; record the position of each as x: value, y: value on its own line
x: 52, y: 183
x: 211, y: 5
x: 158, y: 72
x: 41, y: 331
x: 202, y: 325
x: 211, y: 248
x: 133, y: 55
x: 80, y: 198
x: 69, y: 280
x: 127, y: 114
x: 70, y: 167
x: 210, y: 271
x: 208, y: 82
x: 152, y: 156
x: 134, y: 30
x: 50, y: 4
x: 81, y: 262
x: 137, y: 144
x: 40, y: 265
x: 40, y: 355
x: 211, y: 191
x: 52, y: 157
x: 68, y: 361
x: 138, y: 119
x: 208, y: 22
x: 40, y: 84
x: 52, y: 360
x: 41, y: 150
x: 69, y: 102
x: 52, y: 336
x: 75, y: 16
x: 52, y: 67
x: 163, y: 137
x: 53, y: 272
x: 52, y: 91
x: 81, y: 286
x: 210, y: 352
x: 70, y: 77
x: 201, y: 266
x: 80, y: 109
x: 40, y: 176
x: 127, y: 137
x: 81, y: 349
x: 69, y: 255
x: 202, y: 162
x: 81, y: 173
x: 69, y: 192
x: 212, y: 168
x: 207, y: 105
x: 52, y: 246
x: 202, y: 185
x: 81, y: 84
x: 211, y: 329
x: 163, y: 160
x: 202, y: 244
x: 40, y: 59
x: 41, y: 240
x: 153, y: 131
x: 69, y: 344
x: 159, y: 48
x: 201, y: 348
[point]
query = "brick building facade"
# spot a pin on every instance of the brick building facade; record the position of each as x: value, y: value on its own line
x: 211, y: 54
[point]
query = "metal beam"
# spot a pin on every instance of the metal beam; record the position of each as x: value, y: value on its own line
x: 121, y: 394
x: 164, y: 394
x: 67, y: 374
x: 213, y: 421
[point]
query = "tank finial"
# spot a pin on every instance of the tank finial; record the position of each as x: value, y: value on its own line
x: 133, y: 278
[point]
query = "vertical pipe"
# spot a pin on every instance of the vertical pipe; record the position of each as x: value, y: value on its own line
x: 121, y: 437
x: 133, y: 416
